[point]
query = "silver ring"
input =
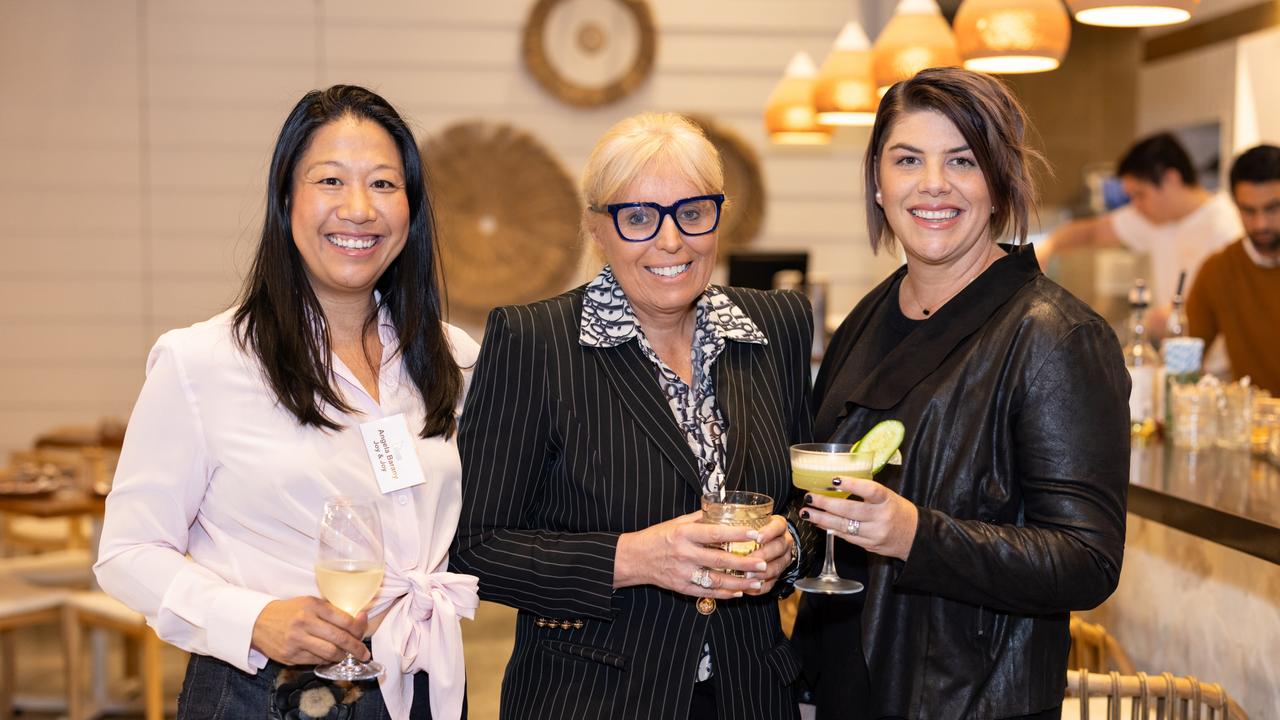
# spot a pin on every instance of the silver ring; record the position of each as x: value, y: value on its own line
x: 702, y: 578
x: 853, y: 526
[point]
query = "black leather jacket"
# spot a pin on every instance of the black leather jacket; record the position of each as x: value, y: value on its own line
x: 1014, y: 397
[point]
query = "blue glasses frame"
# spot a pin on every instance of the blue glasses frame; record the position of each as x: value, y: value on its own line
x: 663, y: 211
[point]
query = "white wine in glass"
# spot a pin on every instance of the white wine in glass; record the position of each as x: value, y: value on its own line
x: 349, y: 569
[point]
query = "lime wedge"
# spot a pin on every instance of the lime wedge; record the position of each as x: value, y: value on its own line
x: 883, y: 439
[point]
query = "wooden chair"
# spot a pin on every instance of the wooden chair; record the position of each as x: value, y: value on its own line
x: 96, y: 609
x: 1145, y: 697
x: 1095, y: 650
x: 21, y: 605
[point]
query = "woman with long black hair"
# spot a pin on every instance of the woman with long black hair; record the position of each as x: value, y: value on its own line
x: 250, y: 420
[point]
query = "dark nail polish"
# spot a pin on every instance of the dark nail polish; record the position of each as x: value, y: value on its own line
x: 808, y: 499
x: 835, y: 482
x: 804, y: 514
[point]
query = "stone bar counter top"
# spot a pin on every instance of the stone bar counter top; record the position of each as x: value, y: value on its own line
x: 1199, y: 591
x: 1224, y: 496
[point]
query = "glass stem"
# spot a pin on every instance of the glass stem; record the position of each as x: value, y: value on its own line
x: 829, y: 562
x: 349, y: 661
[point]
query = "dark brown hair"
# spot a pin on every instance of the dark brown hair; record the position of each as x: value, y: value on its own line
x: 993, y: 124
x: 279, y: 319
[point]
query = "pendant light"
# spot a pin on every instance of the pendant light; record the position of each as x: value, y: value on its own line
x: 845, y: 91
x: 1132, y: 13
x: 1012, y: 36
x: 917, y: 37
x: 788, y: 114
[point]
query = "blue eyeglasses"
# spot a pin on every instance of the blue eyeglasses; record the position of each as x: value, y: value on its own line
x: 640, y: 221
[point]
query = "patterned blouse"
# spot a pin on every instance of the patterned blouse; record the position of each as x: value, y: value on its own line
x: 608, y: 321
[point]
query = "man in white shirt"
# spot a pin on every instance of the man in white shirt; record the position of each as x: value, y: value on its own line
x: 1170, y: 217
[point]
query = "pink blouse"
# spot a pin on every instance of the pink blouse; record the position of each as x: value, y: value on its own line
x: 216, y: 504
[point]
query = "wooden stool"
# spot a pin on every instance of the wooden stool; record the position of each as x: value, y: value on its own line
x: 97, y: 609
x: 21, y: 605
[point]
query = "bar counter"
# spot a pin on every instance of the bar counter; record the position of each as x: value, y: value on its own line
x: 1199, y: 590
x: 1225, y: 496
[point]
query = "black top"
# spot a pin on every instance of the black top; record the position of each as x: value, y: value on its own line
x: 1015, y: 400
x: 887, y: 329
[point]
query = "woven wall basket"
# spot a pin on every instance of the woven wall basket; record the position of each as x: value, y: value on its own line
x: 507, y: 218
x: 743, y: 184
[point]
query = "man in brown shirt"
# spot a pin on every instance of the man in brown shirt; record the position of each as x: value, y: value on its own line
x: 1237, y: 291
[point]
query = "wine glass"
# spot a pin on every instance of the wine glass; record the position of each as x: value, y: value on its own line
x: 812, y: 467
x: 349, y: 570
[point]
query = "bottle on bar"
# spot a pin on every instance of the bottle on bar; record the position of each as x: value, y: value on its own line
x: 1143, y: 364
x: 1176, y: 324
x: 1175, y: 327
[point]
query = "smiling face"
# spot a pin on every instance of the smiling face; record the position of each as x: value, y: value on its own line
x: 933, y: 193
x: 665, y: 275
x: 348, y: 208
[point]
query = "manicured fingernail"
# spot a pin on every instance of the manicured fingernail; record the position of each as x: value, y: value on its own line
x: 750, y: 576
x: 762, y: 566
x: 755, y: 585
x: 804, y: 514
x: 753, y: 534
x: 738, y: 594
x: 835, y: 481
x: 808, y: 499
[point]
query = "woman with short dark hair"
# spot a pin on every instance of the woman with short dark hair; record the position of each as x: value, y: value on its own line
x: 248, y: 421
x: 1008, y: 510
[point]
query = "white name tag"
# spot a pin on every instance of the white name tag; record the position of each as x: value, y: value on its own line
x: 392, y: 453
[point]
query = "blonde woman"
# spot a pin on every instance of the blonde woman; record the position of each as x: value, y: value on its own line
x: 596, y: 422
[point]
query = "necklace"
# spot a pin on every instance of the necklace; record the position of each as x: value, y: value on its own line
x: 926, y: 311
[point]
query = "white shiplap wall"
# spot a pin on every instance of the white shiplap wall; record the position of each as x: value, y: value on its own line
x: 136, y: 135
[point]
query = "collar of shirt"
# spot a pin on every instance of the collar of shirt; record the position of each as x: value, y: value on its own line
x: 1256, y: 256
x: 608, y: 319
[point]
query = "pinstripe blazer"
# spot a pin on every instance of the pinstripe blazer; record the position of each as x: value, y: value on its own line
x: 564, y: 448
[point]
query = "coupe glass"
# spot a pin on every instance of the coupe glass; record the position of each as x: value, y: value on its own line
x: 812, y: 467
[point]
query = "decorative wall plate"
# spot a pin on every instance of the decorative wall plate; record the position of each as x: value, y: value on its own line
x: 743, y: 184
x: 507, y: 216
x: 589, y: 52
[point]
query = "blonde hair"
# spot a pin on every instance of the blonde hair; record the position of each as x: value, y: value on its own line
x: 635, y: 145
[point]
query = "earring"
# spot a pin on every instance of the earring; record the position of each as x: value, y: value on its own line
x: 879, y: 197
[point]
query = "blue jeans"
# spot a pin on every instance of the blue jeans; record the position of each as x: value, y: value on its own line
x: 214, y: 690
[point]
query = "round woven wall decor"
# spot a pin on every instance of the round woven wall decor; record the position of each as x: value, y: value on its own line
x: 743, y: 184
x: 507, y: 217
x: 589, y: 52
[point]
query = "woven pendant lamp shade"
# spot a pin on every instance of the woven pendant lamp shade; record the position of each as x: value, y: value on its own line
x: 917, y: 37
x: 845, y: 91
x: 788, y: 114
x: 1012, y: 36
x: 1132, y: 13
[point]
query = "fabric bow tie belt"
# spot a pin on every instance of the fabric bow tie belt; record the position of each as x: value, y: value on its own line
x: 421, y: 630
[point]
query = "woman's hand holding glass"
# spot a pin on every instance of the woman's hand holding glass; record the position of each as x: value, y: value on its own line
x: 775, y: 549
x: 308, y: 631
x: 882, y: 521
x: 675, y: 554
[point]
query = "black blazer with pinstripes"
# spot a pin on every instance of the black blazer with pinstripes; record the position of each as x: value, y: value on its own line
x: 566, y: 447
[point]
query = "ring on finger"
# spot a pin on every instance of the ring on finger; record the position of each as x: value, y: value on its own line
x: 853, y: 526
x: 702, y: 578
